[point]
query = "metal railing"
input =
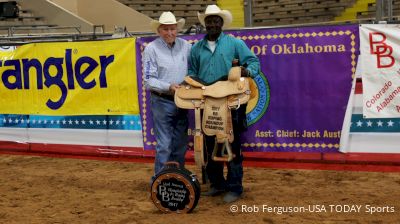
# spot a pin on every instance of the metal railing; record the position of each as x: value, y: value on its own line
x: 384, y: 12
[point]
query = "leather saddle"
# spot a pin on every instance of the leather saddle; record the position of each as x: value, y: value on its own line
x: 216, y: 100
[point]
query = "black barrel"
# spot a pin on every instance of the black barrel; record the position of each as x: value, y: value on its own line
x: 175, y: 189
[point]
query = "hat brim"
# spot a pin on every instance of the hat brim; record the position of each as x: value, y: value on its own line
x: 224, y: 14
x: 154, y: 24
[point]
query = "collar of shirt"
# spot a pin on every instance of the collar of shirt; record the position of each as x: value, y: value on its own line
x: 166, y: 44
x: 205, y: 40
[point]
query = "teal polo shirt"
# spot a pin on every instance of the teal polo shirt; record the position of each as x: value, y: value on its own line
x: 211, y: 66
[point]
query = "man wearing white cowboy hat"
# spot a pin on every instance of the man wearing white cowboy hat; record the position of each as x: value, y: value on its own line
x: 165, y: 64
x: 211, y: 59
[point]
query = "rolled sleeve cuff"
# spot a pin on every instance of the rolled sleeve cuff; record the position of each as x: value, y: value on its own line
x: 165, y: 86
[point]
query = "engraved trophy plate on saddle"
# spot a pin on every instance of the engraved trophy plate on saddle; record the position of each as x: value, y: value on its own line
x: 175, y: 189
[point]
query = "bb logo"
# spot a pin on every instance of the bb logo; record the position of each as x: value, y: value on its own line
x: 383, y: 51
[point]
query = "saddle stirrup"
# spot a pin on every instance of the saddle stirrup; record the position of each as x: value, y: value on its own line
x: 226, y: 152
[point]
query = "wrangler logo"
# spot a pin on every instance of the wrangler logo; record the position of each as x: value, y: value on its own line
x: 16, y: 73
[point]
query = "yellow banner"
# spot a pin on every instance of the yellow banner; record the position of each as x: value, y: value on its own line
x: 70, y: 78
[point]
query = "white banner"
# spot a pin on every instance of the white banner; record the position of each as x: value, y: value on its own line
x: 380, y: 56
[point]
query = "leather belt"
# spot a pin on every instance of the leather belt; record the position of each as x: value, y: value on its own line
x: 163, y: 95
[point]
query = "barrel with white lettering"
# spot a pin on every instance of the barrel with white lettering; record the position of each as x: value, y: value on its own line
x: 175, y: 189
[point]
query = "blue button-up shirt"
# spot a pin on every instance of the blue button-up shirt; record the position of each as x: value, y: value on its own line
x: 210, y: 67
x: 164, y: 65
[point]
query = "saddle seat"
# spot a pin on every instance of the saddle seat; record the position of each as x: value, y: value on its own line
x: 236, y: 89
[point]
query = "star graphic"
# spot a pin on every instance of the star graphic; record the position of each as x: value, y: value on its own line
x: 83, y: 121
x: 380, y: 123
x: 104, y: 122
x: 97, y: 122
x: 359, y: 123
x: 90, y: 122
x: 390, y: 123
x: 369, y: 123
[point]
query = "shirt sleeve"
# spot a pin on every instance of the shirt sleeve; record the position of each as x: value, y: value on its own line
x: 249, y: 58
x: 151, y: 77
x: 193, y: 62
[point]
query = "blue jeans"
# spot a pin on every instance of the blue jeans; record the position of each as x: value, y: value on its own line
x: 170, y: 128
x: 215, y: 170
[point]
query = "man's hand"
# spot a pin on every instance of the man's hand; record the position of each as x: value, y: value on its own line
x: 173, y: 87
x: 244, y: 72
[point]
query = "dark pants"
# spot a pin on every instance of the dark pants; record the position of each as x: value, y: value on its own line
x: 215, y: 170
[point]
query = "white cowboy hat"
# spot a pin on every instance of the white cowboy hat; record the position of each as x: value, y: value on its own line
x: 166, y: 18
x: 215, y: 10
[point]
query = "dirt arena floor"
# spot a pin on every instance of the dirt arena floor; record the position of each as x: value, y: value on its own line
x: 61, y: 190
